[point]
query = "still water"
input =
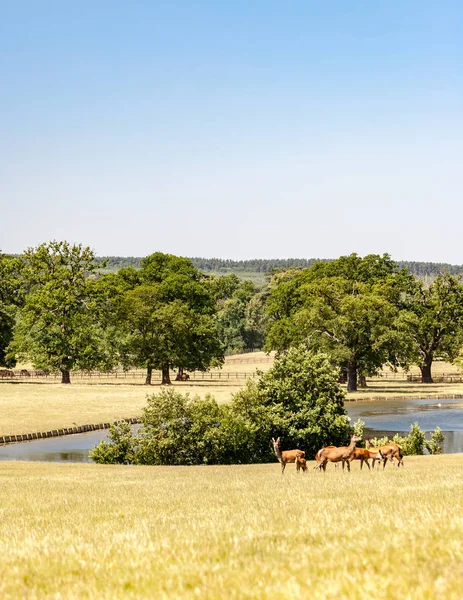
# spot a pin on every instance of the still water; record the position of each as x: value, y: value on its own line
x: 383, y: 417
x: 396, y: 416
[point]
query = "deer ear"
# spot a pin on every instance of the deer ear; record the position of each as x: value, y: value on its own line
x: 278, y: 439
x: 273, y: 440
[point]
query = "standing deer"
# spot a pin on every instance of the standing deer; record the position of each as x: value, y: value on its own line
x: 301, y: 463
x: 364, y: 455
x: 388, y: 451
x: 287, y: 456
x: 336, y: 454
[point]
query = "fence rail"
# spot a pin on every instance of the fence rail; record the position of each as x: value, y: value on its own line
x: 194, y: 376
x: 439, y: 378
x: 23, y: 374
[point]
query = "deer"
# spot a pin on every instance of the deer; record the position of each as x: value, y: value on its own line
x: 388, y: 451
x: 301, y: 463
x: 361, y: 454
x: 364, y: 455
x: 287, y: 456
x: 336, y: 454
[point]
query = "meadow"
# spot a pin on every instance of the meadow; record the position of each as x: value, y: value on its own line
x: 109, y: 532
x: 29, y: 406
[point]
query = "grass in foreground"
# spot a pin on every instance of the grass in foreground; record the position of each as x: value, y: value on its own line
x: 101, y: 532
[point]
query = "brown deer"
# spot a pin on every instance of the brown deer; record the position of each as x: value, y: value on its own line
x: 301, y: 463
x: 287, y: 456
x: 364, y: 455
x: 336, y: 454
x: 389, y: 451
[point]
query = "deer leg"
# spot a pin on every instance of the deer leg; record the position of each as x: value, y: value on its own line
x: 348, y: 465
x: 384, y: 462
x: 283, y: 466
x: 367, y: 464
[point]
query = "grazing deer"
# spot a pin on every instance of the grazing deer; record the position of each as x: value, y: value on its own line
x: 388, y: 451
x: 336, y: 454
x: 287, y: 456
x: 301, y: 463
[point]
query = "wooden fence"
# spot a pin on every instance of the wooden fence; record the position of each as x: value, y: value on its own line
x: 137, y: 374
x: 440, y: 378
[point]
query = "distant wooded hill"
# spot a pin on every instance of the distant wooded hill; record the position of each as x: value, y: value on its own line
x: 256, y: 269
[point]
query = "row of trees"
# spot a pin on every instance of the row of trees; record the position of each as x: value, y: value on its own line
x: 59, y: 311
x: 366, y: 313
x: 220, y: 265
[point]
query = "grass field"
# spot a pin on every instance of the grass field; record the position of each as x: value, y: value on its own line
x: 103, y: 532
x: 29, y: 406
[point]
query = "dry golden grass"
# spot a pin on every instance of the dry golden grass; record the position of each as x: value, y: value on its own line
x: 108, y: 532
x: 31, y: 407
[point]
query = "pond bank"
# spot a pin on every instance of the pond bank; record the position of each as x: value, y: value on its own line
x: 435, y: 396
x: 28, y: 437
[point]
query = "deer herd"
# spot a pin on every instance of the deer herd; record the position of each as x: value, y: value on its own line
x: 340, y: 454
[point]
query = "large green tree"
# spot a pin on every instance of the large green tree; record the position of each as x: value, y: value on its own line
x: 434, y: 321
x: 56, y: 328
x: 165, y: 315
x: 11, y: 296
x: 349, y: 308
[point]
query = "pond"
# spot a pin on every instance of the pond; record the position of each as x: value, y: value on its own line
x: 396, y: 416
x: 381, y: 418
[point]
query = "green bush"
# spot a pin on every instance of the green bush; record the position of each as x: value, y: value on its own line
x: 434, y: 445
x: 298, y: 399
x: 415, y: 442
x: 120, y: 449
x: 179, y: 430
x: 304, y: 401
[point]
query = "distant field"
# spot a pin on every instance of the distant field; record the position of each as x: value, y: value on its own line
x: 31, y: 406
x: 102, y: 532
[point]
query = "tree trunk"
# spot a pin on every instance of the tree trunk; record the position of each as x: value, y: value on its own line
x: 165, y: 375
x: 351, y: 377
x: 149, y: 372
x: 65, y: 376
x: 426, y: 376
x: 362, y: 381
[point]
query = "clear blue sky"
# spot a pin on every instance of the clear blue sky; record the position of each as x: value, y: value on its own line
x: 233, y: 128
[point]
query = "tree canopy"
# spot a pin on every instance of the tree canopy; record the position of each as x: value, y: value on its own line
x: 349, y: 308
x: 434, y: 321
x: 56, y: 328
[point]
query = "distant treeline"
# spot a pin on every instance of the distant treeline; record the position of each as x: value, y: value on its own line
x: 220, y: 265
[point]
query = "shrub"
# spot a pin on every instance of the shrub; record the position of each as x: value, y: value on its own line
x: 304, y: 400
x: 298, y: 399
x: 120, y: 449
x: 415, y: 442
x: 434, y: 445
x: 179, y: 430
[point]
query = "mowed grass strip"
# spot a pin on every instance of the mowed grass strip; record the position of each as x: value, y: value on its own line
x: 109, y: 532
x: 32, y: 407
